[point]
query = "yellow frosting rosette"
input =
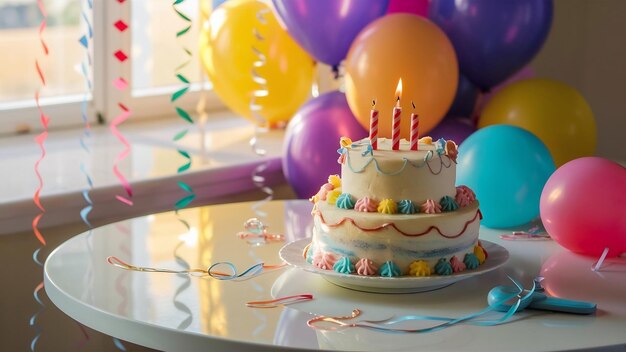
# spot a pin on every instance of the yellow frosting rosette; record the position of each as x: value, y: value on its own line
x: 419, y: 268
x: 387, y: 206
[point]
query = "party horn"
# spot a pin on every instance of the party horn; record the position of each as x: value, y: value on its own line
x: 536, y: 300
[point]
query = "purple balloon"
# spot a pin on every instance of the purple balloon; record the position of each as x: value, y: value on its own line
x: 327, y: 28
x: 493, y: 39
x: 312, y: 140
x: 465, y: 98
x: 454, y: 128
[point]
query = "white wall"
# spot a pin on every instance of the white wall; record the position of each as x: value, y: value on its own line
x: 586, y: 49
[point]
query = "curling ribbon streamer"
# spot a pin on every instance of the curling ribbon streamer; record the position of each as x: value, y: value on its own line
x: 190, y: 195
x: 281, y: 301
x: 535, y: 233
x: 255, y: 110
x: 179, y: 304
x: 40, y: 140
x: 255, y: 233
x: 86, y: 65
x: 249, y: 273
x: 183, y: 202
x: 121, y: 84
x: 387, y: 325
x: 597, y: 265
x: 120, y: 280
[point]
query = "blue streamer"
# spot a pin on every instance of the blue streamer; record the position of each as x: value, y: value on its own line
x: 387, y: 325
x: 248, y: 273
x: 86, y: 66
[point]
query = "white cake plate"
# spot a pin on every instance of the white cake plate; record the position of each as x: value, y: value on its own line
x: 292, y: 254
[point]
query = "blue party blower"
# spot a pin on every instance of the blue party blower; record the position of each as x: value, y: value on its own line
x: 497, y: 299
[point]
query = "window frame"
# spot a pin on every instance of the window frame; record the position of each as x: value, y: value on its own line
x: 102, y: 105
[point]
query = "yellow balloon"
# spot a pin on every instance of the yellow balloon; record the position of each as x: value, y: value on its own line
x: 226, y: 49
x: 408, y: 47
x: 555, y: 112
x: 206, y: 6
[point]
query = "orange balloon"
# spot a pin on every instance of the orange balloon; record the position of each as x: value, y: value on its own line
x: 408, y: 47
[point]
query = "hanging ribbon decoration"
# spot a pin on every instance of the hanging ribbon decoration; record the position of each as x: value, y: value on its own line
x: 121, y: 84
x: 255, y: 109
x: 86, y: 13
x: 180, y: 304
x: 120, y: 283
x: 332, y: 323
x: 190, y: 195
x: 86, y: 69
x: 40, y: 140
x: 183, y: 202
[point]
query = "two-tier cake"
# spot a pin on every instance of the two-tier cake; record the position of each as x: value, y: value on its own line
x: 395, y: 213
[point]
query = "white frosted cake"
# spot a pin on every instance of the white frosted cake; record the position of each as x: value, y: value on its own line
x: 395, y: 213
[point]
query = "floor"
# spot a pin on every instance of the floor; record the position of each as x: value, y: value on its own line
x: 20, y: 276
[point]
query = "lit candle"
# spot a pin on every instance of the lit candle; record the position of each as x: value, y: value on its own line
x: 374, y: 126
x: 397, y: 112
x: 415, y: 134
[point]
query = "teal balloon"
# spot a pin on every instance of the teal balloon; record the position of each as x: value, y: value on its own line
x: 507, y: 167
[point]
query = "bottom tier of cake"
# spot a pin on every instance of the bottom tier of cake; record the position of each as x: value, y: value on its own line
x: 359, y: 243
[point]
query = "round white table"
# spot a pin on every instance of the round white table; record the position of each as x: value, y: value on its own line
x: 180, y: 313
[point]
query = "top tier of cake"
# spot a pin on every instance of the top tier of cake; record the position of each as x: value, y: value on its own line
x: 428, y: 173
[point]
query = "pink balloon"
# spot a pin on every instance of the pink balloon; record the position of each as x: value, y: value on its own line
x: 416, y: 7
x: 524, y: 73
x: 583, y: 206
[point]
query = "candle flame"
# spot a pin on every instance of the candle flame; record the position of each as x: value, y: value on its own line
x: 398, y: 92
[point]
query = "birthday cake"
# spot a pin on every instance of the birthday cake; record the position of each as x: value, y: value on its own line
x: 396, y: 212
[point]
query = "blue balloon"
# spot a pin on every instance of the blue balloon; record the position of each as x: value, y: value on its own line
x: 465, y: 98
x: 312, y: 140
x: 507, y: 167
x: 493, y: 38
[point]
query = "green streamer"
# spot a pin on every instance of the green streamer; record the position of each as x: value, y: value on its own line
x: 190, y: 195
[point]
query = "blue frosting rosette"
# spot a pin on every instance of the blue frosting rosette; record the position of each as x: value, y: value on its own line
x: 448, y: 204
x: 405, y: 206
x: 345, y: 201
x: 443, y: 267
x: 471, y: 261
x: 344, y: 266
x: 389, y: 269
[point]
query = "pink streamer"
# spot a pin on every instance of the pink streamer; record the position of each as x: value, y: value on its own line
x: 40, y: 140
x: 121, y: 84
x: 115, y: 131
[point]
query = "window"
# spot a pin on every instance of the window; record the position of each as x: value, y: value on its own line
x: 149, y: 41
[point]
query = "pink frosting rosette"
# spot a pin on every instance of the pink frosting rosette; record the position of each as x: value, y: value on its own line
x: 321, y: 194
x: 366, y: 205
x: 457, y: 265
x: 324, y: 261
x: 461, y: 198
x: 430, y: 207
x: 471, y: 196
x: 366, y: 267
